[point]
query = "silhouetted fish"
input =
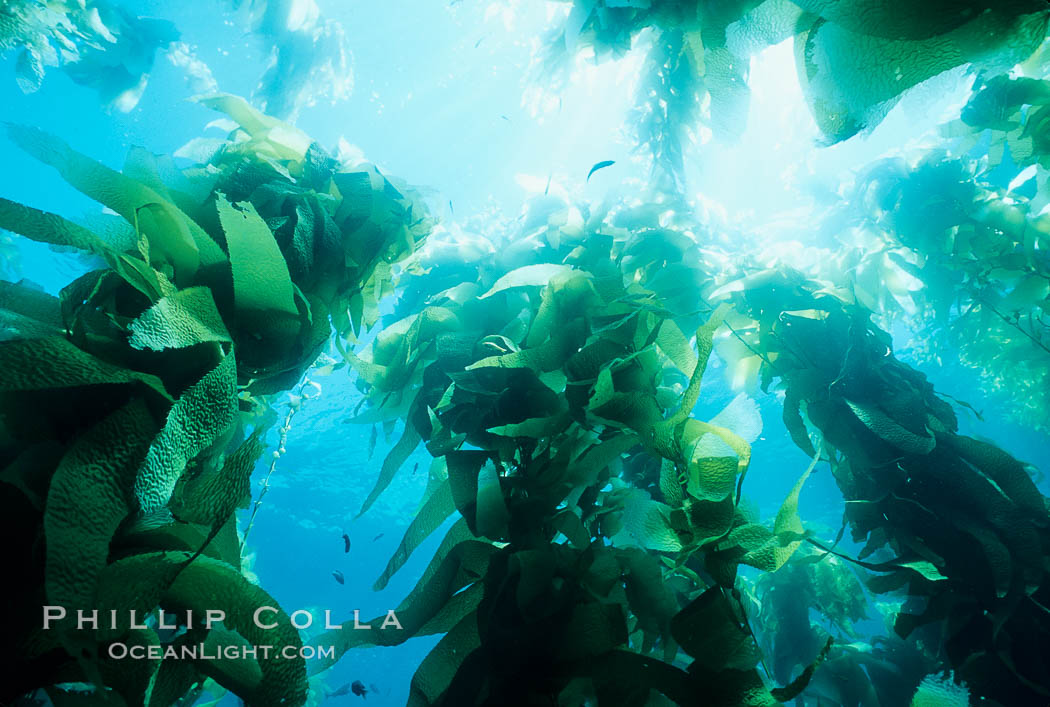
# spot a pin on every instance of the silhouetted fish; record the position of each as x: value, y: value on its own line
x: 377, y: 537
x: 358, y: 688
x: 600, y: 165
x: 346, y: 543
x: 338, y: 576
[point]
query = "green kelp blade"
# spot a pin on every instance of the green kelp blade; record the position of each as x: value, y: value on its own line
x: 710, y: 520
x: 173, y: 680
x: 593, y: 628
x: 693, y: 431
x: 53, y: 362
x: 649, y: 523
x: 240, y: 677
x: 705, y: 344
x: 891, y: 431
x: 438, y: 507
x: 169, y: 579
x: 650, y: 597
x: 459, y: 605
x: 548, y: 356
x: 434, y: 675
x: 492, y: 514
x: 902, y: 19
x: 459, y: 561
x: 286, y: 140
x: 788, y: 531
x: 535, y: 570
x: 211, y: 499
x: 27, y: 312
x: 796, y: 426
x: 852, y: 78
x: 464, y: 467
x: 203, y: 415
x: 131, y: 678
x: 675, y: 345
x: 260, y: 275
x: 588, y: 465
x: 45, y: 227
x: 527, y: 276
x: 171, y: 232
x: 708, y: 630
x: 395, y: 459
x: 796, y: 686
x: 623, y: 678
x: 185, y: 318
x: 89, y: 497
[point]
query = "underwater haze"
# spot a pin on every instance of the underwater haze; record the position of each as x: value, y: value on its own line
x: 507, y: 352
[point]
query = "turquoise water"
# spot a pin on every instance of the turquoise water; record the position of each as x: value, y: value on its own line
x: 443, y: 99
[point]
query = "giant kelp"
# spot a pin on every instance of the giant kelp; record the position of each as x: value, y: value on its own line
x: 913, y: 485
x: 102, y: 45
x: 598, y: 521
x: 98, y: 43
x: 127, y: 402
x: 556, y: 398
x: 944, y: 236
x: 815, y: 596
x: 309, y: 57
x: 927, y: 241
x: 964, y: 263
x: 854, y: 59
x: 600, y: 524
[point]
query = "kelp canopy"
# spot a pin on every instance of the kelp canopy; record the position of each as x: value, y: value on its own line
x: 598, y: 543
x: 104, y: 45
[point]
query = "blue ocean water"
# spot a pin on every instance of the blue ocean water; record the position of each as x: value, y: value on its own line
x: 438, y: 101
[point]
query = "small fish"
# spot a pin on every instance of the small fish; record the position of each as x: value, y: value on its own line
x: 547, y: 188
x: 372, y: 439
x: 415, y: 469
x: 478, y: 43
x: 450, y: 209
x: 358, y: 688
x: 600, y: 165
x: 339, y: 577
x: 372, y: 687
x: 505, y: 118
x: 346, y: 543
x: 377, y: 537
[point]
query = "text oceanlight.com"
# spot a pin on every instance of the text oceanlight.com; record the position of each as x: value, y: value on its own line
x: 121, y: 651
